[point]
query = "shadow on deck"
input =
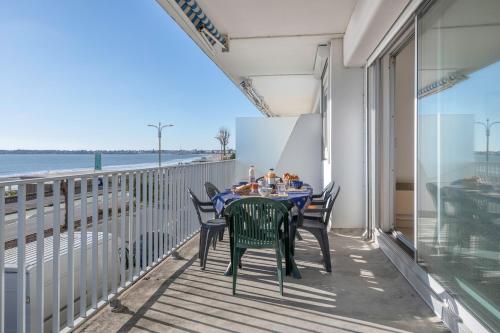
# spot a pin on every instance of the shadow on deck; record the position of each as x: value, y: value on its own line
x: 365, y: 293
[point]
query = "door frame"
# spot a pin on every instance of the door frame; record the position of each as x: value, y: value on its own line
x: 403, y: 41
x: 380, y: 133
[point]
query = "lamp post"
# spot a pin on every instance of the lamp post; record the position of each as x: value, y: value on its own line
x: 487, y: 126
x: 159, y: 128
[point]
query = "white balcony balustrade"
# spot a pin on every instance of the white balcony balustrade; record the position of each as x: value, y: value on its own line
x: 101, y: 232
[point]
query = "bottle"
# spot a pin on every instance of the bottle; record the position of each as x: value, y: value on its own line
x: 251, y: 174
x: 271, y: 178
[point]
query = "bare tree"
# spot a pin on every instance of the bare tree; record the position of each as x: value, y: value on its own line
x: 223, y: 137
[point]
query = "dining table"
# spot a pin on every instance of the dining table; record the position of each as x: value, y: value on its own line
x: 296, y: 200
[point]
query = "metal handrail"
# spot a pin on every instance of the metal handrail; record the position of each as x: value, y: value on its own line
x: 78, y: 174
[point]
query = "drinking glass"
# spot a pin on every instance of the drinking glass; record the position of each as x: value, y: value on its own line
x: 281, y: 189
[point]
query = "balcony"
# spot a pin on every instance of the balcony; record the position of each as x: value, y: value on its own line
x: 156, y: 283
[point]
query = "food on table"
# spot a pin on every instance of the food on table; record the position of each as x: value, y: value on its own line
x: 290, y: 176
x: 243, y: 189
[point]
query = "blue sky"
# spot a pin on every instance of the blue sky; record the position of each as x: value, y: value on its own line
x: 92, y: 74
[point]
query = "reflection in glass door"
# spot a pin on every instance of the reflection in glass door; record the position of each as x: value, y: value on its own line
x: 458, y: 156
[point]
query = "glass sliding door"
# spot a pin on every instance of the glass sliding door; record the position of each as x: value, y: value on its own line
x: 458, y: 151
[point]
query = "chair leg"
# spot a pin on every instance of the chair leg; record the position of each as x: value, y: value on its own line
x: 201, y: 250
x: 326, y: 251
x: 214, y: 242
x: 234, y: 265
x: 279, y: 267
x: 293, y: 233
x: 299, y: 236
x: 221, y: 235
x: 208, y: 239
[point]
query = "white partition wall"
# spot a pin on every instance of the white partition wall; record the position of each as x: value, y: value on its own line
x: 287, y: 144
x: 346, y: 121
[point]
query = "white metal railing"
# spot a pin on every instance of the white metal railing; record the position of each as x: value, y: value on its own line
x: 113, y: 230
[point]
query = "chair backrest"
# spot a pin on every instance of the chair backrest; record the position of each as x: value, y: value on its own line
x: 211, y: 189
x: 330, y: 202
x: 328, y: 189
x: 196, y: 203
x: 256, y: 221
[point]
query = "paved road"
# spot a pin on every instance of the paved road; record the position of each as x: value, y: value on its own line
x: 31, y: 217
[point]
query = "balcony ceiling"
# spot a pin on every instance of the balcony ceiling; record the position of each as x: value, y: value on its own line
x: 273, y: 43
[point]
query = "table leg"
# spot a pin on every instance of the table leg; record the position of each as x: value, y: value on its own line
x: 229, y: 269
x: 291, y: 259
x: 286, y: 236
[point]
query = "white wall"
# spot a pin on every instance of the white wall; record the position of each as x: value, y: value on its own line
x: 287, y: 144
x: 346, y: 140
x: 368, y: 24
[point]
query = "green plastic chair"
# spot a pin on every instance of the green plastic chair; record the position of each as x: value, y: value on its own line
x: 256, y: 224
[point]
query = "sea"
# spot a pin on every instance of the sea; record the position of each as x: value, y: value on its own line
x: 28, y: 164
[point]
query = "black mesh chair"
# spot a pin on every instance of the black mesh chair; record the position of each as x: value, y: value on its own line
x: 316, y: 222
x: 209, y: 228
x: 211, y: 189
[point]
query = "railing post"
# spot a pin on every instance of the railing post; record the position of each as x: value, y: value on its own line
x: 123, y: 215
x: 105, y: 227
x: 21, y: 260
x: 150, y: 219
x: 137, y: 223
x: 144, y: 222
x: 70, y: 314
x: 95, y: 240
x: 40, y: 252
x: 131, y: 228
x: 83, y: 247
x: 155, y: 216
x: 56, y: 249
x: 161, y: 218
x: 114, y: 217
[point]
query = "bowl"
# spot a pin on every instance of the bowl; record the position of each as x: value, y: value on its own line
x: 296, y: 183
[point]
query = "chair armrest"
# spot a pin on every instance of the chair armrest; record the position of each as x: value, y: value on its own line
x: 317, y: 195
x: 207, y: 210
x: 312, y: 217
x: 203, y: 205
x: 318, y: 202
x: 315, y: 210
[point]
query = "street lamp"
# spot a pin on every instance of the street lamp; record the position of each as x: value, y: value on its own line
x: 160, y: 127
x: 487, y: 126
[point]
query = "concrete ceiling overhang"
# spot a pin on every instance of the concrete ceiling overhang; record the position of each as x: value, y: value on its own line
x: 273, y: 43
